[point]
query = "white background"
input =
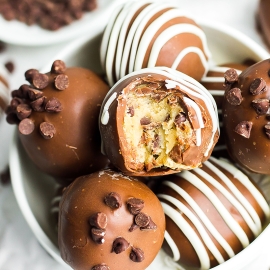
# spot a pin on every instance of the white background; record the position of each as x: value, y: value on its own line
x: 18, y: 247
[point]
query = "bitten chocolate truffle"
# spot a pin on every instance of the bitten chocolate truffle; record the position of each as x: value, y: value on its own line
x: 158, y: 121
x: 4, y: 90
x: 212, y: 213
x: 57, y: 117
x: 246, y: 117
x: 144, y: 34
x: 109, y: 221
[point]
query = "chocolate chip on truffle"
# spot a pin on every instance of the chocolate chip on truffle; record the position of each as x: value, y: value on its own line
x: 98, y: 220
x: 102, y: 266
x: 135, y: 205
x: 58, y: 67
x: 261, y: 106
x: 244, y: 128
x: 47, y: 130
x: 98, y: 235
x: 34, y: 93
x: 29, y: 74
x: 113, y: 200
x: 133, y: 227
x: 230, y: 76
x: 38, y: 104
x: 61, y: 82
x: 136, y: 255
x: 23, y: 91
x: 234, y: 96
x: 258, y: 86
x: 23, y: 111
x: 120, y: 244
x: 26, y: 126
x: 142, y: 219
x: 53, y: 105
x: 150, y: 226
x: 40, y: 81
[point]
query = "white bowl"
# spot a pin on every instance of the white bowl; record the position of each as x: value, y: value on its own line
x: 34, y: 190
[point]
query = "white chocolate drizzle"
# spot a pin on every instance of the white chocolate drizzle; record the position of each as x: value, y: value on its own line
x: 105, y: 114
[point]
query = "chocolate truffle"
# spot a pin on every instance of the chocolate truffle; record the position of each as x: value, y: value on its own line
x: 111, y: 220
x: 143, y: 34
x: 57, y: 116
x: 158, y: 121
x: 246, y: 117
x: 4, y: 90
x: 212, y: 213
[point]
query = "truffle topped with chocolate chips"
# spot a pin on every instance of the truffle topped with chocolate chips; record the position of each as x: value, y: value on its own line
x: 246, y: 117
x: 109, y: 221
x: 57, y: 117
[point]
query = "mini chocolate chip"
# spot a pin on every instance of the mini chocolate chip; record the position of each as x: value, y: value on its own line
x: 61, y: 82
x: 258, y: 86
x: 130, y: 111
x: 133, y: 227
x: 53, y: 105
x: 244, y: 128
x: 120, y: 244
x: 16, y: 93
x: 15, y: 102
x: 98, y: 220
x: 180, y: 118
x: 101, y: 266
x: 58, y: 67
x: 23, y: 90
x: 29, y: 74
x: 38, y: 104
x: 113, y: 200
x: 34, y: 93
x: 234, y: 96
x: 47, y: 130
x: 26, y: 126
x: 145, y: 121
x: 9, y: 66
x: 150, y: 226
x: 40, y: 81
x: 98, y: 235
x: 136, y: 255
x: 135, y: 205
x: 261, y: 106
x: 230, y: 76
x: 12, y: 119
x: 142, y: 219
x: 267, y: 130
x: 23, y: 111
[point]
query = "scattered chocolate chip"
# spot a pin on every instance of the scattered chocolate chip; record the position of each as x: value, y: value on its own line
x: 150, y: 226
x: 234, y: 96
x: 113, y: 200
x: 145, y: 121
x: 120, y: 244
x: 23, y: 111
x: 98, y: 235
x: 47, y: 130
x: 29, y: 74
x: 38, y: 104
x: 34, y: 93
x: 244, y: 128
x: 180, y: 118
x: 261, y: 106
x: 26, y: 126
x: 130, y: 111
x: 258, y: 86
x: 267, y: 130
x: 9, y: 66
x: 230, y: 76
x: 98, y: 220
x: 5, y: 176
x: 136, y: 255
x: 53, y: 105
x: 58, y: 67
x: 135, y: 205
x: 142, y: 219
x: 61, y: 82
x: 40, y: 81
x: 101, y: 266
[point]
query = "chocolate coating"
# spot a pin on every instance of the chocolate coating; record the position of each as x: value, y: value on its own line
x: 212, y: 213
x: 83, y: 245
x: 245, y: 125
x: 263, y: 21
x: 4, y: 90
x: 61, y: 134
x: 144, y: 34
x: 158, y: 121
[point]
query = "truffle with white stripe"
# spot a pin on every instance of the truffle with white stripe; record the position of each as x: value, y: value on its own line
x: 212, y: 213
x: 4, y: 90
x: 158, y: 121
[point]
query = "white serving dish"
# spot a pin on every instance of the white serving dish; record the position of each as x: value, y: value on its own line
x: 34, y: 190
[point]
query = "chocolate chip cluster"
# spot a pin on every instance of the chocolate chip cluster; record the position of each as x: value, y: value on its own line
x: 32, y: 98
x: 49, y: 14
x: 98, y: 223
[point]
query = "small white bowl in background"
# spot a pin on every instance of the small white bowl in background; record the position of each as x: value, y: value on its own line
x: 34, y: 190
